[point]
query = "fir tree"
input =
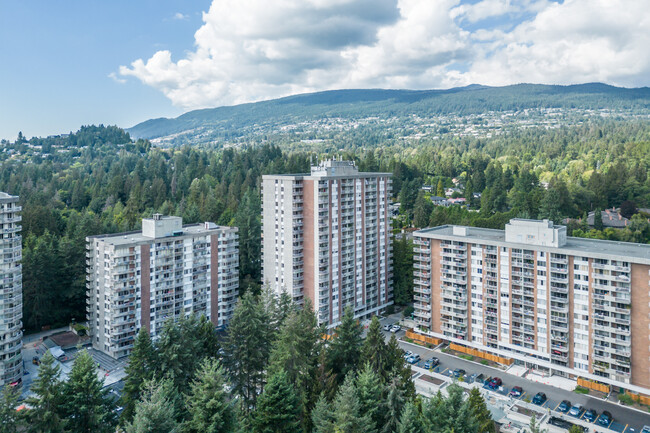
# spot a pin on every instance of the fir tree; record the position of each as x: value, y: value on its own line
x: 394, y: 405
x: 410, y: 421
x: 322, y: 417
x: 247, y: 349
x: 440, y: 189
x: 373, y: 350
x: 278, y: 409
x: 208, y: 404
x: 139, y: 369
x: 87, y: 407
x: 345, y: 348
x: 9, y: 417
x: 481, y: 412
x: 155, y: 412
x: 44, y: 413
x: 348, y: 417
x: 208, y: 343
x: 370, y: 393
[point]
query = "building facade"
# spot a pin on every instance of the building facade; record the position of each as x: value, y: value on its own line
x: 11, y: 291
x: 568, y: 306
x: 327, y: 237
x: 142, y: 279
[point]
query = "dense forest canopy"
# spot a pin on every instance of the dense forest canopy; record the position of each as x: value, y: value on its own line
x: 99, y: 180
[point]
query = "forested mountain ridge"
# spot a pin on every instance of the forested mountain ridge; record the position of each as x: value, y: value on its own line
x: 225, y: 124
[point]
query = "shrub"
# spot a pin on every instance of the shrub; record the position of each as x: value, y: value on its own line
x: 581, y: 390
x: 408, y: 311
x: 626, y: 399
x: 485, y: 362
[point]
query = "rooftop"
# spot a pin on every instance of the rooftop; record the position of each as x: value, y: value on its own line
x: 612, y: 250
x: 136, y: 237
x: 330, y: 168
x: 4, y: 195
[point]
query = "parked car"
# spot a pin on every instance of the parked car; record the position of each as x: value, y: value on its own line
x: 539, y: 398
x: 36, y: 361
x: 413, y: 359
x: 459, y: 372
x: 431, y: 362
x: 576, y: 410
x: 564, y: 406
x: 516, y: 391
x: 590, y: 415
x: 605, y: 419
x: 395, y: 328
x: 387, y: 327
x: 495, y: 383
x: 407, y: 353
x: 645, y: 429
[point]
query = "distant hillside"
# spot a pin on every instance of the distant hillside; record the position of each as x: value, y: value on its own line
x: 223, y: 122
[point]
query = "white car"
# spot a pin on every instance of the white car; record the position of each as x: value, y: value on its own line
x: 387, y: 327
x: 395, y: 328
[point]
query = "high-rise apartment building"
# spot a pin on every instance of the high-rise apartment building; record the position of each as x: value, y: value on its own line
x: 142, y: 279
x: 327, y: 237
x: 11, y: 291
x: 569, y: 306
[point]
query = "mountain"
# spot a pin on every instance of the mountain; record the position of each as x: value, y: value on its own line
x: 229, y: 122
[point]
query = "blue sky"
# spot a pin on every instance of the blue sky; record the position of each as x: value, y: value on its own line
x: 56, y: 58
x: 69, y: 63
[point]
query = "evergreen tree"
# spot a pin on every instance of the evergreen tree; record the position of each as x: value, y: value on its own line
x: 481, y: 412
x: 86, y: 406
x: 370, y: 393
x: 345, y: 347
x: 139, y: 369
x: 322, y: 416
x: 209, y: 406
x: 440, y: 189
x: 394, y: 405
x: 296, y: 351
x: 403, y: 271
x: 9, y: 417
x: 598, y: 219
x: 278, y: 409
x: 535, y: 427
x: 208, y: 343
x: 155, y: 412
x: 450, y: 414
x: 247, y: 350
x: 373, y: 350
x: 576, y: 429
x: 422, y: 210
x: 247, y: 220
x: 44, y: 413
x: 348, y: 417
x: 410, y: 421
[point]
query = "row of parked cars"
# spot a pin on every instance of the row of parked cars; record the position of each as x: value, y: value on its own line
x: 392, y: 328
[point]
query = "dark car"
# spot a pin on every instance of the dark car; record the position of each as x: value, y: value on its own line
x: 564, y: 406
x: 605, y: 419
x: 516, y: 391
x: 539, y: 398
x: 590, y: 415
x: 36, y: 361
x: 431, y: 362
x: 495, y: 383
x: 459, y: 372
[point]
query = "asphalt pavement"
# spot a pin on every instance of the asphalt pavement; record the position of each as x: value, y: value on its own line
x: 625, y: 419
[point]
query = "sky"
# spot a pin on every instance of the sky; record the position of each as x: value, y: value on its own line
x: 70, y: 63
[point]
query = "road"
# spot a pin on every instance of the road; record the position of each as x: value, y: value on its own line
x: 622, y: 415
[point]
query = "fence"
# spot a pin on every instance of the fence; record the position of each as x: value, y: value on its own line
x: 596, y: 386
x: 481, y: 354
x: 424, y: 339
x: 639, y: 398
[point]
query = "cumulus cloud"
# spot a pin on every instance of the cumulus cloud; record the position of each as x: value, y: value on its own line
x: 247, y: 50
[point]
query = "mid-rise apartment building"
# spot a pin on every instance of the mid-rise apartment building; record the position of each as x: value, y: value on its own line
x: 11, y: 291
x: 167, y: 270
x: 327, y: 237
x: 569, y: 306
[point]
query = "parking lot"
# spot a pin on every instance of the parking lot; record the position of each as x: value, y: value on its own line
x: 625, y: 419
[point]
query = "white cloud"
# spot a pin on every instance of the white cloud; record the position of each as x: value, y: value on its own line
x: 180, y: 16
x: 113, y: 76
x: 248, y: 50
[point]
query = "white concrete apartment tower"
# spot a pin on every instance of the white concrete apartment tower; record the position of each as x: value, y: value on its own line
x: 11, y: 291
x: 568, y: 306
x: 327, y: 237
x: 167, y: 270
